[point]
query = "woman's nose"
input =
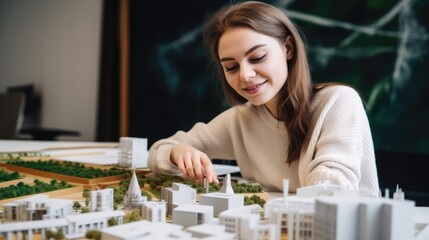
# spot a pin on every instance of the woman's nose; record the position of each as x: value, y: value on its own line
x: 247, y: 72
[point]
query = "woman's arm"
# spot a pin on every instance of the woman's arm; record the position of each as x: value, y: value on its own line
x: 189, y: 152
x: 344, y: 142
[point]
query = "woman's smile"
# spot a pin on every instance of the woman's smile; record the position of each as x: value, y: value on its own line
x: 254, y: 88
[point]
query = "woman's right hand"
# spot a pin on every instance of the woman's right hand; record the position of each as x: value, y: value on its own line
x: 193, y: 163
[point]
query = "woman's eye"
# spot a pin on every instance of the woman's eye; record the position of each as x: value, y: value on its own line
x: 230, y: 69
x: 258, y: 59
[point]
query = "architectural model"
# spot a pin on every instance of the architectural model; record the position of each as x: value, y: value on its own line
x: 133, y: 152
x: 318, y: 212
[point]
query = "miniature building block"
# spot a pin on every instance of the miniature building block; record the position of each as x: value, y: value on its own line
x: 192, y: 214
x: 363, y: 218
x: 144, y: 230
x: 242, y: 224
x: 154, y: 211
x: 102, y: 200
x: 133, y: 152
x: 211, y: 231
x: 221, y: 201
x: 37, y: 207
x: 322, y: 189
x: 73, y: 226
x: 178, y: 194
x: 295, y: 218
x: 79, y: 224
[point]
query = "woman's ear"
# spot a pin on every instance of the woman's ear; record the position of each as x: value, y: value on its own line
x: 290, y: 47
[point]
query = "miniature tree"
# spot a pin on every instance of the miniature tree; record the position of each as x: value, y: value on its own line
x: 76, y: 206
x: 86, y: 194
x: 58, y: 235
x: 135, y: 216
x: 85, y: 210
x: 112, y: 222
x: 93, y: 234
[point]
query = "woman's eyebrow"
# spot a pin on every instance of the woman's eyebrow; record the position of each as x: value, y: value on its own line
x: 247, y: 52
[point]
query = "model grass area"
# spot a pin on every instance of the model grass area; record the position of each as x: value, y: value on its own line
x: 22, y: 189
x: 156, y: 182
x: 74, y: 169
x: 6, y: 176
x: 153, y: 184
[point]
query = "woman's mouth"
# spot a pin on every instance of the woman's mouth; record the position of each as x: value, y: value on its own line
x: 254, y: 88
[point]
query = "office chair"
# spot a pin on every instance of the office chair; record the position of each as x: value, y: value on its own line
x: 11, y: 114
x: 31, y: 117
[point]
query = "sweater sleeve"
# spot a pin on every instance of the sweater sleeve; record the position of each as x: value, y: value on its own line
x: 212, y: 138
x: 339, y: 149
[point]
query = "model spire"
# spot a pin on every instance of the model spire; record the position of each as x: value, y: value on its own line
x: 226, y: 185
x: 134, y: 187
x: 134, y: 194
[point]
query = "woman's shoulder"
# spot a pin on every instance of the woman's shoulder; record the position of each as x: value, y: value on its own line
x: 336, y: 89
x: 334, y: 94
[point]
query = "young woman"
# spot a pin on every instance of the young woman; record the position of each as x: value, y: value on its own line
x: 280, y: 125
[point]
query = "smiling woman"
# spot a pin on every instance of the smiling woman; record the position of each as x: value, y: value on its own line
x: 255, y: 71
x: 280, y: 125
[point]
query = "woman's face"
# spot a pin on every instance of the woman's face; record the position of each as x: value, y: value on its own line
x: 254, y: 65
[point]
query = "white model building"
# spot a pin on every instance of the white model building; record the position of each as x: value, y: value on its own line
x: 221, y: 201
x: 245, y: 223
x: 37, y: 207
x: 178, y: 194
x: 79, y: 224
x: 154, y: 211
x: 293, y: 219
x: 144, y: 230
x: 293, y: 216
x: 134, y: 198
x: 208, y: 231
x: 224, y: 199
x: 133, y: 152
x: 192, y: 214
x: 363, y: 218
x: 73, y: 226
x: 102, y: 200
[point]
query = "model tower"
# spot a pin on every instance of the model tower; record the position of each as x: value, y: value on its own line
x: 134, y: 198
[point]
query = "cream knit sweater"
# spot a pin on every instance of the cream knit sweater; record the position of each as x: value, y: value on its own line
x: 340, y: 151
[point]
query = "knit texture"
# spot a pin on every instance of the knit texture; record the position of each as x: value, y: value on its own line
x: 340, y: 151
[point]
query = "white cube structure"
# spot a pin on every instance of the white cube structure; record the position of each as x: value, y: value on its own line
x: 133, y: 152
x: 363, y: 218
x: 210, y: 231
x: 154, y: 211
x: 102, y: 200
x: 221, y: 201
x: 191, y: 214
x: 143, y: 230
x: 179, y: 193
